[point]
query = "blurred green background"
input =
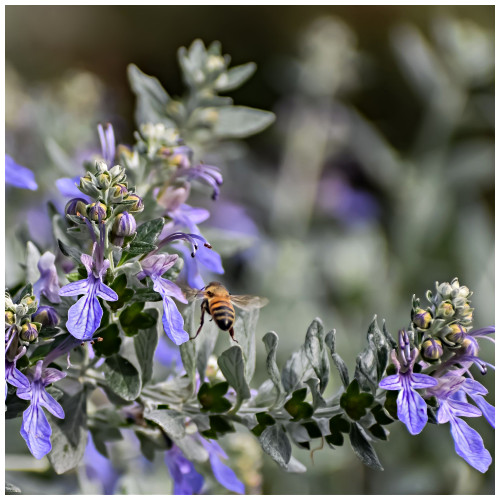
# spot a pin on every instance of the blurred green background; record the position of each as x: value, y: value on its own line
x: 376, y: 180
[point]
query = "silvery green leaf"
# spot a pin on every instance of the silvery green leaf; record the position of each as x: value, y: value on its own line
x: 318, y: 401
x: 65, y: 455
x: 372, y: 361
x: 171, y: 421
x: 276, y: 444
x: 390, y: 339
x: 75, y: 409
x: 244, y: 328
x: 315, y: 352
x: 122, y: 377
x: 202, y: 421
x: 233, y: 368
x: 266, y: 394
x: 205, y: 343
x: 69, y: 251
x: 297, y: 432
x: 12, y: 489
x: 295, y: 467
x: 188, y: 349
x: 337, y: 360
x: 241, y: 121
x: 152, y: 98
x: 271, y: 342
x: 32, y: 258
x: 173, y: 391
x: 296, y: 369
x: 363, y: 449
x: 235, y: 77
x: 145, y: 343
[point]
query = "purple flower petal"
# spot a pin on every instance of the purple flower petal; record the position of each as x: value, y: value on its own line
x: 47, y: 401
x: 391, y: 383
x: 460, y: 409
x: 487, y: 410
x: 80, y: 287
x: 107, y: 138
x: 173, y: 323
x: 48, y: 284
x: 191, y: 215
x: 51, y: 375
x: 412, y: 408
x: 209, y: 259
x: 19, y: 176
x: 225, y: 475
x: 469, y: 445
x: 106, y: 293
x: 87, y: 261
x: 67, y: 187
x: 166, y: 288
x: 187, y: 481
x: 36, y: 431
x: 168, y: 354
x: 14, y: 377
x: 84, y: 317
x: 100, y: 468
x: 421, y: 381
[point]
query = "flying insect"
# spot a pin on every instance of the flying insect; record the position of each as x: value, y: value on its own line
x: 218, y: 302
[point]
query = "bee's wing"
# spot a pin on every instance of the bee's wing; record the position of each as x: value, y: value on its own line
x: 248, y: 302
x: 192, y: 293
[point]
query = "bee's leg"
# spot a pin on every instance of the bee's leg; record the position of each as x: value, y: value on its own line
x: 203, y: 306
x: 231, y: 332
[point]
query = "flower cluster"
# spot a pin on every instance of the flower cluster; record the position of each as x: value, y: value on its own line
x: 441, y: 342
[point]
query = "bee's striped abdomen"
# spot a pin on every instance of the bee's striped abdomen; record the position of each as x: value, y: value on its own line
x: 223, y: 313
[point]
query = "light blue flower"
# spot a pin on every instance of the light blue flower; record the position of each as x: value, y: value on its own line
x: 85, y: 316
x: 450, y: 393
x: 48, y: 283
x: 412, y: 408
x: 19, y: 176
x: 35, y: 428
x: 155, y: 266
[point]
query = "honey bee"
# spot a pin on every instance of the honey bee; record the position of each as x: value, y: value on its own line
x: 218, y: 302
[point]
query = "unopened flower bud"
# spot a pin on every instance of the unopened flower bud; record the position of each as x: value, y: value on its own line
x: 117, y: 192
x: 87, y: 186
x: 138, y: 206
x: 96, y: 210
x: 214, y: 63
x: 10, y: 317
x: 432, y: 350
x: 124, y: 225
x: 445, y: 289
x: 104, y: 180
x: 457, y: 334
x: 47, y: 316
x: 29, y: 332
x: 422, y: 318
x: 30, y: 303
x: 76, y: 206
x: 466, y: 313
x: 445, y: 310
x: 470, y: 347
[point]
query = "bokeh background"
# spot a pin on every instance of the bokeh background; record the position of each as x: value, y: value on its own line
x: 375, y: 181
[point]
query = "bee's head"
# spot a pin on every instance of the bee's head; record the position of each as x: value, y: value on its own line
x: 215, y: 288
